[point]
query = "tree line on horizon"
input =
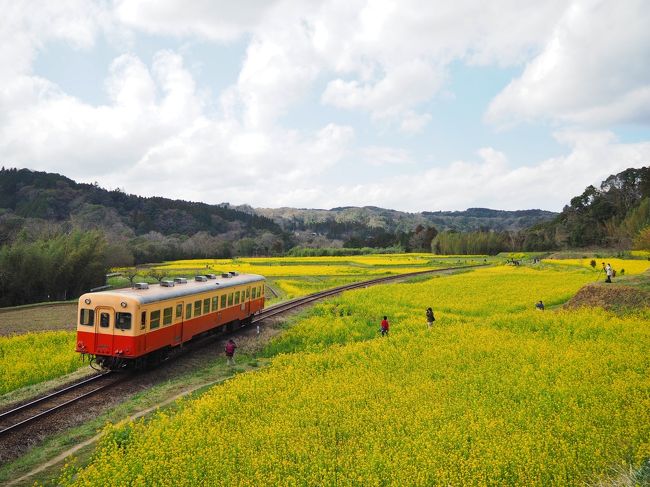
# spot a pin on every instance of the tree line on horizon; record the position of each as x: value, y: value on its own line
x: 62, y: 237
x: 615, y: 215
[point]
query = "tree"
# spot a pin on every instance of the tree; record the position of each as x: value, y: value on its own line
x: 130, y: 273
x: 642, y: 240
x: 156, y: 274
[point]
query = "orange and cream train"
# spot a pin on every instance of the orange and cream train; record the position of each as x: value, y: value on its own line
x: 134, y: 327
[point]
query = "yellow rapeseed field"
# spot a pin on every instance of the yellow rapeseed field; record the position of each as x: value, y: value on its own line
x: 35, y: 357
x: 496, y: 393
x: 362, y: 265
x: 629, y: 266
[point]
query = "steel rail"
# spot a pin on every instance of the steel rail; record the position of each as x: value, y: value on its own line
x: 57, y: 407
x: 288, y: 305
x: 23, y: 407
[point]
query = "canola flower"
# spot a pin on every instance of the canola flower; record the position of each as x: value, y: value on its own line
x: 39, y: 357
x: 630, y: 266
x: 322, y: 266
x: 640, y: 253
x: 36, y: 357
x: 495, y: 394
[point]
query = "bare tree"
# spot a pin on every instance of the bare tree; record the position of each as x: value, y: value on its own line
x: 156, y: 274
x: 130, y: 273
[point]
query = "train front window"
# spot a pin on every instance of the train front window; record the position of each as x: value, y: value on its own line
x: 248, y: 292
x: 87, y: 317
x: 123, y: 321
x: 167, y: 316
x: 155, y: 320
x: 104, y: 320
x: 254, y: 293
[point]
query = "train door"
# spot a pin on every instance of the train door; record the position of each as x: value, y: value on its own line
x: 104, y: 329
x: 177, y: 335
x: 246, y: 306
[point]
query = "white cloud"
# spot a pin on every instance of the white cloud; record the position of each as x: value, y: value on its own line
x: 594, y: 69
x: 158, y: 133
x: 220, y: 20
x: 383, y: 57
x: 491, y: 182
x: 380, y: 156
x: 53, y: 129
x: 27, y: 26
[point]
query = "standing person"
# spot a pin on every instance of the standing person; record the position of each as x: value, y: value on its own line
x: 231, y: 346
x: 430, y: 317
x: 384, y: 326
x: 540, y: 305
x: 608, y: 271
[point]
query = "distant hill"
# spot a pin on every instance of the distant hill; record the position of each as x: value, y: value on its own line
x: 34, y: 204
x: 337, y: 221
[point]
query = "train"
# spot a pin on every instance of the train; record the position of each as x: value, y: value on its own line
x: 140, y: 326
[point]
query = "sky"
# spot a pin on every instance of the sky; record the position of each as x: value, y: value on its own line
x: 409, y: 105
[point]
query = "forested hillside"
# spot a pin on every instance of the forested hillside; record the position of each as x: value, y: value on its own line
x: 617, y: 214
x: 33, y: 204
x: 138, y: 229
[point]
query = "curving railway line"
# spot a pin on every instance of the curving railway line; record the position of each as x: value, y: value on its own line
x: 15, y: 419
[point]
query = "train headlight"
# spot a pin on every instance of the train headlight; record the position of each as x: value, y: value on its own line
x: 123, y: 304
x: 87, y: 300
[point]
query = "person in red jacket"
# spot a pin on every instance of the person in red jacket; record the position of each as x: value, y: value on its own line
x: 231, y: 346
x: 384, y: 326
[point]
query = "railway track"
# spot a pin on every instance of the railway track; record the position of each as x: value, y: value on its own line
x: 37, y: 409
x: 15, y: 419
x: 294, y: 303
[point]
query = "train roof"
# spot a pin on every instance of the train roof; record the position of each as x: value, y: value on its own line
x: 156, y: 292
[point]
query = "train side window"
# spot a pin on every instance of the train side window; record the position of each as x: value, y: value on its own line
x: 123, y: 321
x: 223, y: 301
x: 188, y: 311
x: 254, y: 293
x: 262, y: 291
x: 197, y: 308
x: 237, y: 297
x: 230, y: 297
x: 248, y: 292
x: 143, y: 320
x: 104, y: 320
x: 179, y: 311
x: 215, y: 303
x: 167, y: 316
x: 87, y: 317
x: 206, y: 306
x: 154, y: 322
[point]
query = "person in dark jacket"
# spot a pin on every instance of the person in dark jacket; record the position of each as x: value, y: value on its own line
x: 231, y: 346
x: 540, y: 305
x: 430, y: 317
